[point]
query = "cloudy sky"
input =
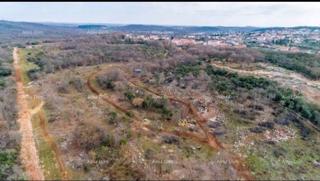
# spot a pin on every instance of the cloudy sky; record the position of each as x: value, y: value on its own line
x: 167, y: 13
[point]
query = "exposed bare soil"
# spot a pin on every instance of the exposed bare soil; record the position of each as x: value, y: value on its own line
x: 29, y: 156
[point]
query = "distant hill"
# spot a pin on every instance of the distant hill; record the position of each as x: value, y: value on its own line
x: 91, y: 26
x: 187, y: 29
x: 10, y: 30
x: 14, y: 30
x: 26, y: 26
x: 286, y: 28
x: 174, y: 29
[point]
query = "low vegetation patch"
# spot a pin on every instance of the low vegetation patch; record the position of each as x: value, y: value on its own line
x: 159, y: 105
x: 231, y: 84
x: 7, y: 160
x: 106, y: 81
x: 184, y: 69
x: 4, y: 71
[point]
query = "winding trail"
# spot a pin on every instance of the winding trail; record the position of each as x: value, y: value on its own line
x: 28, y: 152
x: 137, y: 120
x: 210, y: 139
x: 53, y: 145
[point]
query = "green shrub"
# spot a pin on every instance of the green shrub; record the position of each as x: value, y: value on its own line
x: 88, y: 137
x: 33, y: 74
x: 7, y: 160
x: 112, y: 117
x: 129, y: 95
x: 296, y: 103
x: 148, y: 102
x: 257, y: 164
x: 160, y: 105
x: 77, y: 83
x: 5, y: 71
x: 184, y: 69
x: 105, y: 82
x: 2, y: 83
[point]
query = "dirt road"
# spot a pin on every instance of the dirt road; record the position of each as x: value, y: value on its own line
x: 28, y: 154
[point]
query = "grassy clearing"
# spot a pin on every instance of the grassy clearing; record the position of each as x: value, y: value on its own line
x: 46, y: 154
x: 233, y: 123
x: 290, y: 160
x: 25, y: 65
x: 200, y: 152
x: 148, y: 144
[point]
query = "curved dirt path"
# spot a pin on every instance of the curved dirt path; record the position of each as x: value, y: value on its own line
x: 53, y: 145
x: 236, y: 161
x: 28, y: 152
x: 137, y: 120
x: 211, y: 140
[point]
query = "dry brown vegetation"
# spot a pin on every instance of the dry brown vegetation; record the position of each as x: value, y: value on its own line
x: 120, y: 109
x: 9, y: 135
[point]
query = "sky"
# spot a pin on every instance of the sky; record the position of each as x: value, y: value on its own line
x: 262, y: 14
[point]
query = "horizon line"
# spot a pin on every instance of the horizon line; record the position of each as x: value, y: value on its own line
x: 145, y: 24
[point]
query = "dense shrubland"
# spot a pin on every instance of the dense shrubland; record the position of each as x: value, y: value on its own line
x: 93, y: 50
x: 248, y: 96
x: 9, y: 137
x: 229, y: 54
x: 162, y: 55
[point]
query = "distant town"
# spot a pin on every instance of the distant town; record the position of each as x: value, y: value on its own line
x: 304, y: 40
x: 295, y: 39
